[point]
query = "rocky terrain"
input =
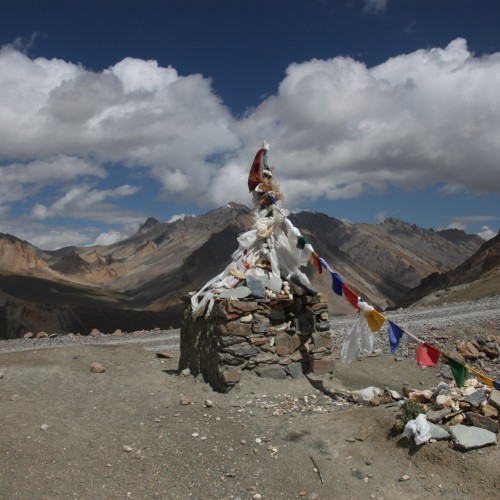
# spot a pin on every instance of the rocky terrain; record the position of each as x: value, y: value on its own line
x: 139, y: 429
x: 139, y: 282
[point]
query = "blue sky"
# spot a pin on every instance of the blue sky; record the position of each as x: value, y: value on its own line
x: 111, y: 112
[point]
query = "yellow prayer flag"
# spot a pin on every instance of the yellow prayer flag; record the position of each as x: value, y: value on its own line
x: 375, y: 320
x: 487, y: 380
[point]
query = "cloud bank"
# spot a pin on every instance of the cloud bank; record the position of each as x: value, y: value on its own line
x: 337, y: 129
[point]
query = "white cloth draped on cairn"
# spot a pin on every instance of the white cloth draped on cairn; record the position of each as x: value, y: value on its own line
x: 267, y: 252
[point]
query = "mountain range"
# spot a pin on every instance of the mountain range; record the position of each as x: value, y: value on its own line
x: 138, y: 283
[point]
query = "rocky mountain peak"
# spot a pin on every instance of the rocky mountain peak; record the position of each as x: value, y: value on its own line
x: 149, y: 224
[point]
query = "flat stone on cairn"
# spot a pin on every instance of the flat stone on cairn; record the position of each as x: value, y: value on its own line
x: 261, y: 313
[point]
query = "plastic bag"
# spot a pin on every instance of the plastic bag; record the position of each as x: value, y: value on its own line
x: 419, y: 428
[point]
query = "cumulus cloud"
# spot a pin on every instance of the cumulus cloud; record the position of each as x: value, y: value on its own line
x: 109, y: 237
x: 337, y: 129
x: 340, y: 129
x: 85, y: 202
x: 487, y: 233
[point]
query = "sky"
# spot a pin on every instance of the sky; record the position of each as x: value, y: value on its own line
x: 112, y: 112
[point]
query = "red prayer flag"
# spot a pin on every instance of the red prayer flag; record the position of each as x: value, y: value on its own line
x: 427, y: 355
x: 350, y: 296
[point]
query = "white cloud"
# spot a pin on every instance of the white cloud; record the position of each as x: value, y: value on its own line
x: 53, y: 238
x: 21, y: 180
x: 487, y: 233
x: 337, y: 130
x: 84, y: 202
x: 380, y: 217
x: 340, y: 129
x: 179, y: 217
x: 109, y: 237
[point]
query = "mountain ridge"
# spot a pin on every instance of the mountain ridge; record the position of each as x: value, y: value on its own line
x: 151, y: 270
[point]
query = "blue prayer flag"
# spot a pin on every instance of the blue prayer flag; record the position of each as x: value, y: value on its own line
x: 496, y: 385
x: 395, y: 334
x: 337, y: 284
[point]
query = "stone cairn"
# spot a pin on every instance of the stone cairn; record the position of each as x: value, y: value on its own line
x: 261, y: 313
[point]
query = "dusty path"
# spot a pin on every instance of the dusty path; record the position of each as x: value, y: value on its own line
x: 70, y: 433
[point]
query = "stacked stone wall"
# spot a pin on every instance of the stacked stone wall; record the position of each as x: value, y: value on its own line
x: 284, y: 337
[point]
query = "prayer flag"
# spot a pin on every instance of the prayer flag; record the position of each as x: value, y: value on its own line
x: 301, y: 242
x: 395, y: 334
x: 323, y: 263
x: 350, y: 296
x: 427, y: 355
x: 496, y: 385
x: 487, y: 380
x: 458, y: 370
x: 337, y: 283
x: 375, y: 320
x: 315, y: 261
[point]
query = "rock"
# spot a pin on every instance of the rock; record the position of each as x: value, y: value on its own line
x: 271, y: 371
x: 44, y: 427
x: 275, y: 284
x: 442, y: 388
x: 247, y: 318
x: 186, y: 372
x: 494, y: 399
x: 237, y: 293
x: 185, y: 401
x: 256, y: 286
x: 165, y: 355
x: 364, y: 434
x: 472, y: 382
x: 478, y: 420
x: 395, y: 395
x: 237, y: 328
x: 42, y: 335
x: 295, y: 370
x: 435, y: 416
x: 489, y: 411
x: 476, y: 398
x: 97, y: 367
x: 437, y: 432
x: 94, y: 332
x: 209, y: 403
x: 29, y: 335
x: 232, y: 377
x: 260, y: 324
x: 364, y: 395
x: 265, y: 358
x: 421, y: 396
x: 322, y: 366
x: 444, y: 401
x: 323, y: 339
x: 118, y: 333
x: 286, y: 343
x: 242, y: 352
x: 469, y: 438
x: 128, y: 449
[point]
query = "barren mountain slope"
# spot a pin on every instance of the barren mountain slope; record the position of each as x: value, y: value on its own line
x: 383, y: 261
x: 153, y: 268
x: 478, y: 276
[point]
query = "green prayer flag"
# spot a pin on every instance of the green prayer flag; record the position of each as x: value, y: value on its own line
x: 301, y: 242
x: 458, y: 370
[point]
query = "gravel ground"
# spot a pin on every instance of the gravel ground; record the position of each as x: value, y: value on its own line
x: 139, y: 430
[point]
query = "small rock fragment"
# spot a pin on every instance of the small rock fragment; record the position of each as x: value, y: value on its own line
x: 97, y: 367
